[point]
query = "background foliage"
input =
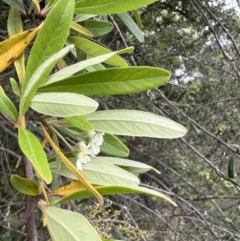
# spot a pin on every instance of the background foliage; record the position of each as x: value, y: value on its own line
x: 198, y: 42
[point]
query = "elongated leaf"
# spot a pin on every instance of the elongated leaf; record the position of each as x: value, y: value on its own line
x: 79, y: 122
x: 113, y: 146
x: 7, y: 107
x: 105, y: 7
x: 66, y: 225
x: 11, y: 48
x: 81, y: 29
x: 63, y: 104
x: 113, y: 190
x: 83, y: 17
x: 25, y: 186
x: 135, y: 123
x: 68, y: 71
x: 114, y: 81
x: 51, y: 38
x: 16, y: 4
x: 132, y: 26
x: 99, y: 174
x: 33, y: 150
x: 15, y: 87
x: 93, y: 49
x: 38, y: 77
x: 14, y: 27
x: 98, y: 28
x: 137, y: 167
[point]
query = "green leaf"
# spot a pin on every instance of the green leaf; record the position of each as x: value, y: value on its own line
x: 135, y: 123
x: 105, y: 7
x: 79, y: 28
x: 33, y: 150
x: 132, y: 26
x: 72, y: 69
x: 15, y: 87
x: 113, y: 190
x: 98, y: 28
x: 38, y: 77
x: 80, y: 122
x: 63, y: 104
x: 7, y: 107
x: 133, y: 166
x: 99, y: 173
x: 93, y: 49
x: 113, y: 146
x: 66, y: 225
x: 16, y: 4
x: 25, y: 186
x: 50, y: 38
x: 114, y: 81
x: 231, y: 169
x: 83, y: 17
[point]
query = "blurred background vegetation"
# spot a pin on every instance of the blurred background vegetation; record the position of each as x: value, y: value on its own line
x: 198, y: 41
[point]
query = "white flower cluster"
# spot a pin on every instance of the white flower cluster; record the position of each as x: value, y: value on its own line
x: 85, y: 152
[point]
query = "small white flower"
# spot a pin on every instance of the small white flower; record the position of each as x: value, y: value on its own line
x: 95, y: 144
x: 82, y: 152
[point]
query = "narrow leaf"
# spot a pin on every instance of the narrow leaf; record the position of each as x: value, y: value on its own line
x: 15, y: 87
x: 132, y: 26
x: 113, y: 190
x: 11, y: 48
x: 14, y: 27
x: 33, y: 150
x: 63, y: 104
x: 113, y: 146
x: 93, y: 49
x: 72, y: 69
x: 81, y: 29
x: 25, y: 186
x: 51, y: 38
x: 7, y: 107
x: 105, y: 7
x: 114, y: 81
x: 66, y: 225
x: 135, y: 123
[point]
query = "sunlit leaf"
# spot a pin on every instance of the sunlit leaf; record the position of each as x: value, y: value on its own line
x: 51, y: 38
x: 63, y: 104
x: 104, y: 7
x: 135, y: 123
x: 114, y: 81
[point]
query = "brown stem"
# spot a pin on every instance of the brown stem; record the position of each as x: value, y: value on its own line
x: 30, y: 204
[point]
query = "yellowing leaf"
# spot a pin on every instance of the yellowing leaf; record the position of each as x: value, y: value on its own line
x: 11, y: 48
x: 66, y: 190
x: 79, y: 28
